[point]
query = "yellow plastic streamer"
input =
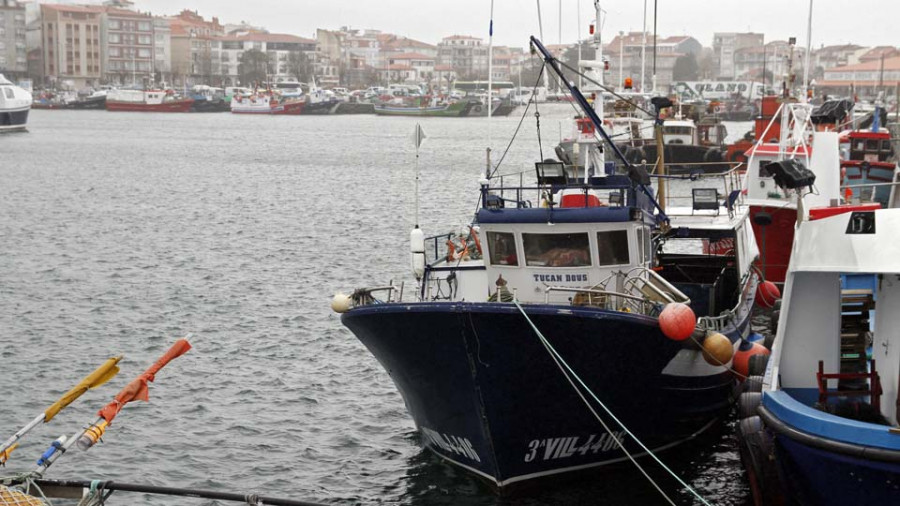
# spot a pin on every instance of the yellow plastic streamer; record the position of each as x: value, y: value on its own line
x: 4, y: 455
x: 100, y: 376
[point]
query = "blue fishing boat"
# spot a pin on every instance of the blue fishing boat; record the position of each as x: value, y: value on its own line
x: 562, y: 289
x: 821, y: 426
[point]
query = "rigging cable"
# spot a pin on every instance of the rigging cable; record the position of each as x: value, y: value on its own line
x: 569, y: 374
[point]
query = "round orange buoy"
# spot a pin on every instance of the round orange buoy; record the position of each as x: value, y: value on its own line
x: 677, y: 321
x: 717, y: 349
x: 741, y: 363
x: 767, y: 293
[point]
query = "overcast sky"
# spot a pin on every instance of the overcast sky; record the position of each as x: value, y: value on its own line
x: 834, y: 21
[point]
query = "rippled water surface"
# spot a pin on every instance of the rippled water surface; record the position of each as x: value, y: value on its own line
x: 120, y: 232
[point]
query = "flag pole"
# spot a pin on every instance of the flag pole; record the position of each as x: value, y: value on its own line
x: 135, y: 390
x: 100, y: 376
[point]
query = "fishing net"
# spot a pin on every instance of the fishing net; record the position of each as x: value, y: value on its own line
x: 10, y: 497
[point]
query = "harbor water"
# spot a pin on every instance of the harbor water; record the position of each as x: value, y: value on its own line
x: 120, y: 232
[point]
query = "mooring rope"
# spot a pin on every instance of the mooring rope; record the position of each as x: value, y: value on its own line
x: 569, y: 373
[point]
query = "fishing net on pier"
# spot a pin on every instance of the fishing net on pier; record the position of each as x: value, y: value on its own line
x: 10, y: 497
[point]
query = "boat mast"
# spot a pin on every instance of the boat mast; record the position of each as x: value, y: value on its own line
x: 541, y: 31
x: 490, y: 96
x: 808, y: 47
x: 654, y: 47
x: 598, y: 103
x: 578, y: 38
x: 644, y: 51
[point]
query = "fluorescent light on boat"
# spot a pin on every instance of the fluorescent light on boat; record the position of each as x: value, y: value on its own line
x: 705, y: 198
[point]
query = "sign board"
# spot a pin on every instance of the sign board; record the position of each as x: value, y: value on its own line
x: 718, y: 90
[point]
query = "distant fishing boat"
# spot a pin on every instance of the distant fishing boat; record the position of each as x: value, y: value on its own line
x: 15, y: 102
x: 821, y: 427
x: 426, y: 107
x: 147, y: 101
x: 265, y: 102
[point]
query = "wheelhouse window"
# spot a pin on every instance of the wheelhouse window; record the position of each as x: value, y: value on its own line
x: 644, y: 243
x: 612, y: 247
x: 557, y: 250
x: 502, y: 246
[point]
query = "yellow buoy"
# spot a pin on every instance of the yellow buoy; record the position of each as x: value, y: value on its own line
x: 717, y: 349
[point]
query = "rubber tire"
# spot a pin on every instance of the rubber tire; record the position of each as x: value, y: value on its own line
x: 756, y: 365
x: 753, y: 384
x: 747, y: 404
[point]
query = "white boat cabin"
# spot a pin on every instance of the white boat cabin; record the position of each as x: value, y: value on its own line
x: 839, y: 313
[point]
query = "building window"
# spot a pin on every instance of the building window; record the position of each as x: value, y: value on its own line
x: 143, y: 53
x: 144, y: 39
x: 114, y: 38
x: 144, y: 26
x: 115, y: 51
x: 114, y: 24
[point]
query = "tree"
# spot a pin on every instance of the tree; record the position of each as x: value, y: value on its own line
x: 299, y: 67
x: 686, y: 68
x: 253, y: 66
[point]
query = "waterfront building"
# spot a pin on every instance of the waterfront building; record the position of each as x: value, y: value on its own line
x: 879, y: 52
x: 726, y: 44
x: 409, y: 68
x: 329, y: 57
x: 466, y: 54
x: 772, y: 58
x: 162, y: 49
x: 625, y: 50
x: 827, y: 57
x: 192, y: 56
x: 13, y: 53
x: 865, y: 79
x: 71, y: 44
x: 289, y: 57
x: 127, y: 42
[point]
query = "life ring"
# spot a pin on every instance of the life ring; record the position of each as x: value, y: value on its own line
x: 477, y: 240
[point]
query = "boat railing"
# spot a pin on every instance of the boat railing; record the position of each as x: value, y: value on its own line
x: 607, y: 299
x: 364, y: 297
x: 727, y: 317
x: 517, y: 194
x: 730, y: 182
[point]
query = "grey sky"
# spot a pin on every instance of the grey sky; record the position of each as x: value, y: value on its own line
x: 834, y: 21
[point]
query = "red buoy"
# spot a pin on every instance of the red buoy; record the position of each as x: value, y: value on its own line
x: 741, y: 363
x: 767, y: 293
x: 677, y: 321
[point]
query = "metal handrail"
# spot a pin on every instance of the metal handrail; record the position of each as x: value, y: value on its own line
x: 591, y: 291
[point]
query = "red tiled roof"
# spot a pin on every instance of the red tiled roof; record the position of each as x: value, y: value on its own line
x: 397, y: 67
x: 443, y: 68
x: 462, y: 37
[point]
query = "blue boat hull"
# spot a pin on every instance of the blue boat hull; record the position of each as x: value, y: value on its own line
x: 487, y: 396
x: 814, y: 476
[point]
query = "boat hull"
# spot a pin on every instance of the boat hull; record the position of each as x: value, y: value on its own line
x: 173, y: 106
x: 487, y: 396
x: 817, y: 471
x: 452, y: 110
x: 289, y: 108
x: 680, y: 158
x: 774, y: 239
x: 13, y: 119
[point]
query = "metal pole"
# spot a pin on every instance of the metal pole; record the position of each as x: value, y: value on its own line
x: 621, y: 61
x: 578, y: 40
x: 644, y: 51
x: 541, y: 31
x: 490, y: 94
x: 808, y: 47
x: 654, y: 45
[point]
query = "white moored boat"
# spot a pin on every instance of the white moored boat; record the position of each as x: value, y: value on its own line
x: 15, y: 103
